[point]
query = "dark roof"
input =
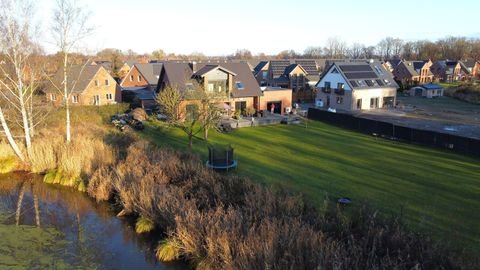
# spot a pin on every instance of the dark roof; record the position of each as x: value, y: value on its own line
x: 310, y: 66
x: 207, y: 68
x: 363, y: 75
x: 150, y: 71
x: 78, y: 77
x: 178, y: 74
x: 394, y: 62
x: 142, y: 94
x: 278, y: 67
x: 289, y: 69
x: 259, y: 67
x: 468, y: 63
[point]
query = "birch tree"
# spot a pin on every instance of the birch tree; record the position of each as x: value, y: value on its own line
x: 16, y: 80
x: 70, y: 26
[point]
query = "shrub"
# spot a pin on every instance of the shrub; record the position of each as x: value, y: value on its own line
x: 8, y: 160
x: 144, y: 225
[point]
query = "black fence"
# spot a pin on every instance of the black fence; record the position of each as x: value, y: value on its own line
x: 391, y: 131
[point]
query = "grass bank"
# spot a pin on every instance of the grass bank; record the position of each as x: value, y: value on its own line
x: 435, y: 192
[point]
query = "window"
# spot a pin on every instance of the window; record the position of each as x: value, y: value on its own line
x: 379, y: 70
x: 189, y: 86
x: 53, y: 97
x: 340, y: 86
x: 264, y: 75
x: 131, y: 78
x: 359, y: 104
x: 239, y: 85
x: 74, y: 99
x: 327, y: 85
x: 210, y: 87
x: 374, y: 103
x: 107, y: 82
x: 339, y: 100
x: 139, y: 78
x: 96, y: 100
x: 192, y: 112
x: 97, y: 83
x: 109, y: 96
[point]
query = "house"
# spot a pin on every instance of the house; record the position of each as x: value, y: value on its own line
x: 234, y: 83
x: 281, y: 98
x: 427, y: 90
x: 142, y: 75
x: 89, y: 84
x: 413, y: 72
x: 391, y: 64
x: 353, y: 86
x: 125, y: 68
x: 470, y: 69
x: 446, y: 70
x: 299, y: 75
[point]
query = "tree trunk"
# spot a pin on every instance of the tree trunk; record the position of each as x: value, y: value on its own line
x: 65, y: 97
x: 23, y: 109
x: 10, y: 139
x: 19, y: 204
x: 37, y: 210
x: 190, y: 138
x: 205, y: 134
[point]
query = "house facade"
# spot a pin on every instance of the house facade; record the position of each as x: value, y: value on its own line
x: 355, y: 86
x: 470, y: 69
x: 233, y: 84
x: 89, y: 84
x: 430, y: 90
x: 446, y: 70
x: 298, y: 75
x: 142, y: 75
x: 413, y: 72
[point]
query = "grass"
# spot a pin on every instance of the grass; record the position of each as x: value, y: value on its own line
x: 436, y: 192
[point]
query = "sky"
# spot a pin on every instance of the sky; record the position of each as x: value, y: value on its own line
x: 216, y: 27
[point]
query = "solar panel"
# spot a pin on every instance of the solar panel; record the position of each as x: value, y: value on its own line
x: 355, y: 68
x: 361, y: 75
x: 380, y: 82
x: 354, y: 83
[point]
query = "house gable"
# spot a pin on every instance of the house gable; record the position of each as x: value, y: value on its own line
x: 334, y: 76
x: 134, y: 78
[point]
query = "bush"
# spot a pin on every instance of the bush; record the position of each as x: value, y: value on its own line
x: 220, y: 221
x: 8, y: 160
x: 144, y: 225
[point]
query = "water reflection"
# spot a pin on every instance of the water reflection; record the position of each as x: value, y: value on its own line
x: 45, y: 226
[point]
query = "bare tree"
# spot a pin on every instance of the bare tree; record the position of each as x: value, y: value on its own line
x: 336, y: 48
x: 170, y: 99
x: 313, y: 52
x: 16, y: 76
x: 69, y: 28
x: 356, y: 51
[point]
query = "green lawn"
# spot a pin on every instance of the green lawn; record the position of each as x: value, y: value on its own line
x: 436, y: 191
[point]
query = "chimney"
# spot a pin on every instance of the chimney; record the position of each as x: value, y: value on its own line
x: 194, y: 66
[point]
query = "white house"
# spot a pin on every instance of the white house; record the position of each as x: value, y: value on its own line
x: 352, y: 86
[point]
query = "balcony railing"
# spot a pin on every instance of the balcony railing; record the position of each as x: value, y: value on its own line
x: 340, y: 92
x: 326, y: 90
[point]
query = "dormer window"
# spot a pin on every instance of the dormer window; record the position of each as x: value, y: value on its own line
x: 189, y: 86
x: 240, y: 85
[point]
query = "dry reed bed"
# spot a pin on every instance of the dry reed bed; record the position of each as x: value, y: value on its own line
x: 217, y: 221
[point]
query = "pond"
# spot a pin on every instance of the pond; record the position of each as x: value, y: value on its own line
x: 49, y: 227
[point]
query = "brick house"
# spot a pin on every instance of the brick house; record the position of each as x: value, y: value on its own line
x: 446, y: 70
x: 233, y: 83
x: 299, y: 75
x: 90, y: 84
x: 354, y: 86
x: 142, y: 75
x: 470, y: 69
x: 413, y: 72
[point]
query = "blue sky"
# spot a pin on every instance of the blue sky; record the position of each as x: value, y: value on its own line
x: 217, y: 27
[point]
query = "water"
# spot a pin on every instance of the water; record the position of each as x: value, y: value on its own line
x: 63, y: 229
